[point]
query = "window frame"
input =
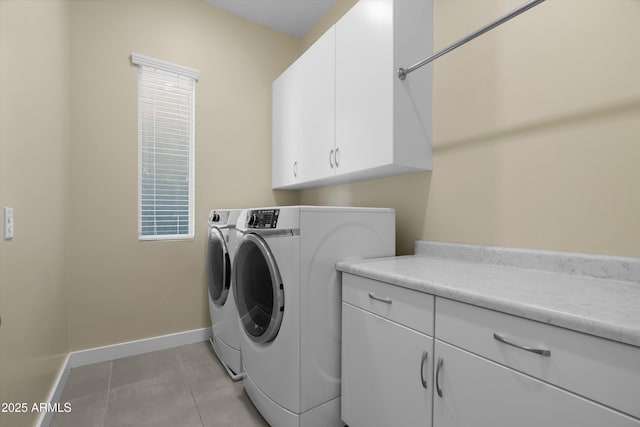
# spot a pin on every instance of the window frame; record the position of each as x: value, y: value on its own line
x: 145, y: 61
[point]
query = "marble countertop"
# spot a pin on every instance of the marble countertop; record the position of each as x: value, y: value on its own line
x: 598, y: 306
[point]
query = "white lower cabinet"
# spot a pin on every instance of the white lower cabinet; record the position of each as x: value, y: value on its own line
x: 480, y: 368
x: 601, y: 370
x: 473, y: 391
x: 386, y: 372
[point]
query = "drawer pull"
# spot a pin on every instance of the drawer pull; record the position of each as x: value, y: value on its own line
x: 539, y: 351
x: 438, y: 369
x: 384, y: 300
x: 423, y: 359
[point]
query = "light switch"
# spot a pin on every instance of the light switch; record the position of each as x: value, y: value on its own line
x: 8, y: 223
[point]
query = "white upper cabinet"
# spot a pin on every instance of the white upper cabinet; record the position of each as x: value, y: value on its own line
x: 357, y: 120
x: 317, y: 108
x: 364, y: 83
x: 285, y: 131
x: 383, y: 124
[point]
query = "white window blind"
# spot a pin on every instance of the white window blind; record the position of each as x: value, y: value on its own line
x: 166, y: 99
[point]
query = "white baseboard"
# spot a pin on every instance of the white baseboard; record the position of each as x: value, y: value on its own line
x: 56, y: 391
x: 132, y: 348
x: 117, y: 351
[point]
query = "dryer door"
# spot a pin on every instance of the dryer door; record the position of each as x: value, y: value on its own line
x: 258, y: 289
x: 218, y: 267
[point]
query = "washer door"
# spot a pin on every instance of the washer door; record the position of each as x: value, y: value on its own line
x: 218, y: 267
x: 258, y: 289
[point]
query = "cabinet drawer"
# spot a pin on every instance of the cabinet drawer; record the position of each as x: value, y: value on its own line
x: 409, y: 308
x: 596, y: 368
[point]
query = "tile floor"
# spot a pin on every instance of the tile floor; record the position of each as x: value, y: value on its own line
x: 178, y: 387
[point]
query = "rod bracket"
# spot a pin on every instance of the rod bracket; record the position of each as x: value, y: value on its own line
x: 402, y: 73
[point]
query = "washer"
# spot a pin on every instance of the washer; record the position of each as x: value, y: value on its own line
x: 225, y: 324
x: 288, y: 296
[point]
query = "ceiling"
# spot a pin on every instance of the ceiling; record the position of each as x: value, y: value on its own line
x: 292, y: 17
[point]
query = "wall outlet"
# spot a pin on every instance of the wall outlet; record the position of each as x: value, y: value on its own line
x: 8, y: 223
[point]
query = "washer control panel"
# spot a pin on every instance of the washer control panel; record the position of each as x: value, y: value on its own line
x: 263, y: 218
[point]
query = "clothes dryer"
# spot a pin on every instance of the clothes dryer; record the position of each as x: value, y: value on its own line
x: 288, y: 296
x: 225, y: 324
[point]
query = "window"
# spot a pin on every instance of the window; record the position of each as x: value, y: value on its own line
x: 166, y: 99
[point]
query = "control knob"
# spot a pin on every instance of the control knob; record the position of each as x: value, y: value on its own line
x: 252, y: 220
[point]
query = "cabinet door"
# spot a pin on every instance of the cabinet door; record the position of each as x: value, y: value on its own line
x: 477, y: 392
x: 384, y: 365
x: 364, y: 86
x: 317, y: 108
x: 285, y: 129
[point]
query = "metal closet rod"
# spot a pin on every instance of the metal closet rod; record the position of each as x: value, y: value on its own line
x: 402, y: 72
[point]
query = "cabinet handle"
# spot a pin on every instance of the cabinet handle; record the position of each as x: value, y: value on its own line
x: 295, y: 169
x: 336, y: 156
x: 384, y: 300
x: 438, y: 369
x: 504, y: 340
x: 331, y: 159
x: 423, y: 359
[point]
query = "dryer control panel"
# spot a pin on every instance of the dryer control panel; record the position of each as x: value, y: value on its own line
x: 263, y: 218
